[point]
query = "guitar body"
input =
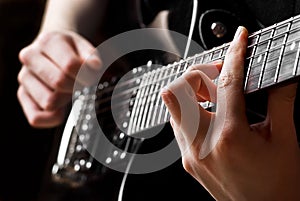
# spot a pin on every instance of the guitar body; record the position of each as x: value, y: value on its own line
x: 75, y: 174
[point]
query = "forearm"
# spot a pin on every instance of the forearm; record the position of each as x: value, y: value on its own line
x: 81, y: 16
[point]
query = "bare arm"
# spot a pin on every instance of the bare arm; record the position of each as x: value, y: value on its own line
x: 81, y: 16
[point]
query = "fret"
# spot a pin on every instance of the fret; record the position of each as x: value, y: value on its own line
x: 133, y: 117
x: 265, y: 59
x: 271, y: 65
x: 279, y: 64
x: 296, y: 23
x: 152, y: 98
x: 262, y: 70
x: 289, y: 60
x: 281, y: 55
x: 171, y: 78
x: 252, y: 42
x: 158, y: 98
x: 148, y: 97
x: 161, y: 105
x: 249, y: 67
x: 206, y: 58
x: 225, y: 48
x: 217, y: 54
x: 199, y: 59
x: 254, y: 73
x: 295, y: 69
x: 267, y: 34
x: 275, y: 53
x: 139, y: 101
x: 182, y: 66
x: 282, y: 28
x: 190, y: 61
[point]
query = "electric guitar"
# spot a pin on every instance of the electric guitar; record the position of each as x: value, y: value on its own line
x: 273, y: 58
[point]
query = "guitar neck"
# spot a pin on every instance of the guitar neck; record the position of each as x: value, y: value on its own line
x: 272, y: 58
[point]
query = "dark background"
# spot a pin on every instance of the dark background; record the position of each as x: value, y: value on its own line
x: 24, y: 150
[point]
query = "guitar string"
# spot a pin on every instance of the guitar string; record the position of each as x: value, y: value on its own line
x: 269, y: 59
x: 126, y: 102
x: 253, y: 35
x: 203, y: 54
x: 166, y: 118
x: 195, y: 57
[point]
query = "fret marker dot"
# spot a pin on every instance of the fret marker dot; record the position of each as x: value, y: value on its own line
x: 122, y: 156
x: 125, y: 124
x: 259, y: 59
x: 122, y: 135
x: 293, y: 45
x: 108, y: 160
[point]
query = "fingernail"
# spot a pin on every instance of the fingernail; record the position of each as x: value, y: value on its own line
x: 238, y: 32
x: 218, y: 63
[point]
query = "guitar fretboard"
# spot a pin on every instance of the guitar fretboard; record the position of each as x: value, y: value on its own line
x: 272, y: 57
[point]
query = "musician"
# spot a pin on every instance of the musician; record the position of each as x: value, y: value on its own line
x: 67, y: 38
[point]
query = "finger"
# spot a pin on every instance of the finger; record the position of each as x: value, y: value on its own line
x: 281, y: 111
x: 36, y: 117
x: 202, y: 85
x: 183, y: 106
x: 44, y: 97
x: 212, y: 70
x: 182, y: 144
x: 61, y: 51
x: 48, y: 72
x: 231, y: 103
x: 71, y: 53
x: 184, y: 91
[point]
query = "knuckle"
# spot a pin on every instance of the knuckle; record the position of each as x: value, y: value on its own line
x: 25, y: 54
x: 21, y: 76
x: 70, y: 64
x: 58, y: 81
x: 33, y: 120
x: 49, y: 101
x: 234, y: 50
x: 225, y: 79
x: 187, y: 166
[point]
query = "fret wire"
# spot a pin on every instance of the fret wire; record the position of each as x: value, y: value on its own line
x: 138, y: 100
x: 248, y: 71
x: 152, y: 98
x: 274, y: 48
x: 265, y: 59
x: 133, y: 117
x: 262, y: 69
x: 136, y: 88
x: 160, y: 100
x: 157, y: 104
x: 281, y: 55
x: 164, y: 106
x: 273, y: 58
x: 295, y: 69
x: 164, y: 109
x: 220, y: 47
x: 146, y: 101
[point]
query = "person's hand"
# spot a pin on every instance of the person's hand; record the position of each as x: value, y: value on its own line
x: 49, y: 68
x: 230, y: 158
